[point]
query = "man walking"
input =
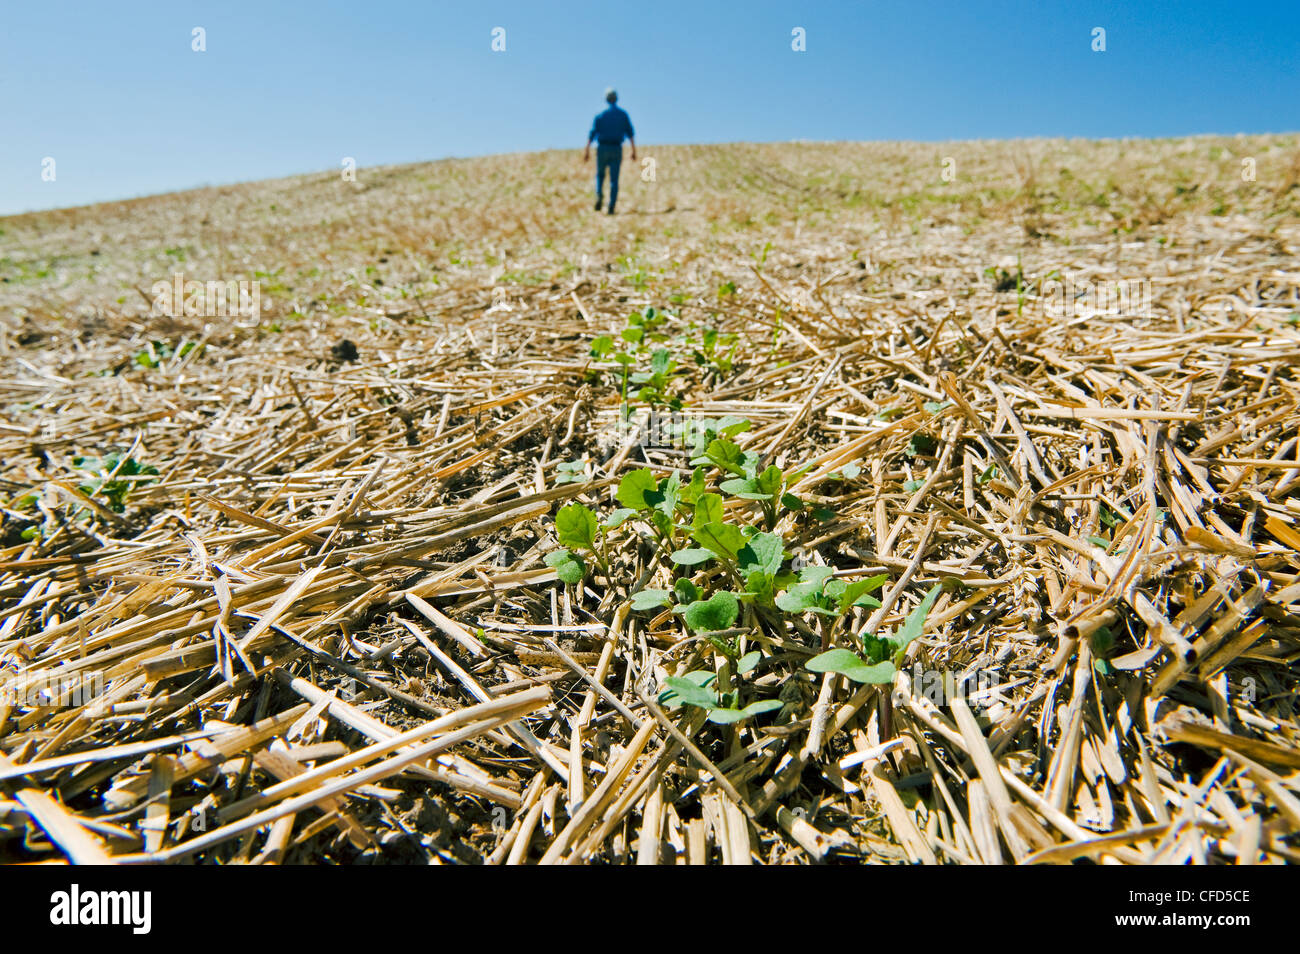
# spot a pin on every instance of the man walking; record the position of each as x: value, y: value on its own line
x: 608, y: 130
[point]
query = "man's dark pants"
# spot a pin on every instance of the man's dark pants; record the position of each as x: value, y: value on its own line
x: 608, y: 157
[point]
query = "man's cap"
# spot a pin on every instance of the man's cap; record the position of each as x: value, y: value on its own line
x: 610, y: 95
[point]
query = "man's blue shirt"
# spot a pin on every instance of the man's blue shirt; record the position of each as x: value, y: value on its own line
x: 611, y: 127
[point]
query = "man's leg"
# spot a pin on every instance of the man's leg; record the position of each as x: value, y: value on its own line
x: 600, y: 175
x: 614, y: 164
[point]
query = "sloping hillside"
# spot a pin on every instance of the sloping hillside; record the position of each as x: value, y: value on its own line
x: 950, y: 515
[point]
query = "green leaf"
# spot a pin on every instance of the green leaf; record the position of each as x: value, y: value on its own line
x: 761, y: 706
x: 810, y: 593
x: 687, y: 591
x: 570, y: 472
x: 720, y: 716
x: 116, y: 490
x: 854, y: 594
x: 731, y: 426
x: 602, y: 346
x: 692, y: 492
x: 880, y: 674
x: 717, y: 612
x: 1110, y: 518
x: 708, y: 509
x: 834, y: 660
x: 725, y: 455
x: 747, y: 662
x: 633, y: 487
x: 920, y: 444
x: 691, y: 556
x: 815, y: 573
x: 742, y: 487
x: 568, y: 567
x: 850, y: 665
x: 723, y: 539
x: 761, y: 585
x: 764, y: 552
x: 770, y: 481
x: 801, y: 598
x: 916, y: 620
x: 575, y: 525
x: 665, y: 498
x: 1102, y: 641
x: 701, y: 677
x: 691, y: 693
x: 649, y: 599
x: 618, y: 518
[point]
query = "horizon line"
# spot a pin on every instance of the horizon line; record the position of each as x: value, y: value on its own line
x: 200, y: 187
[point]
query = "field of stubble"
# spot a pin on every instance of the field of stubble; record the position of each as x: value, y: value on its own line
x: 820, y: 506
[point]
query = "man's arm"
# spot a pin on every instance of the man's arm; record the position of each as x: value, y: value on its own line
x: 633, y: 142
x: 586, y: 150
x: 631, y: 134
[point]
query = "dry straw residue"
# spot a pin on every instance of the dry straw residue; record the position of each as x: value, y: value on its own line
x: 274, y: 582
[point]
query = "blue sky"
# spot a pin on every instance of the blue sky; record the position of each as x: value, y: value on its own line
x: 115, y: 94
